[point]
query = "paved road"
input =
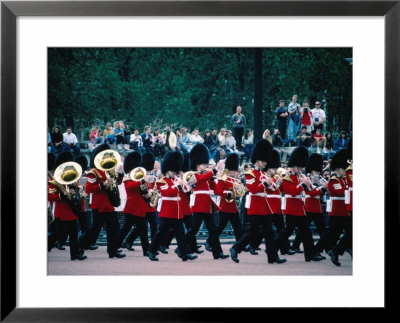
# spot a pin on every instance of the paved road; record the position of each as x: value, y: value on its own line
x: 135, y: 263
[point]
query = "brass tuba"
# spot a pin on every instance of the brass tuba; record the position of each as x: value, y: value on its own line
x: 137, y: 174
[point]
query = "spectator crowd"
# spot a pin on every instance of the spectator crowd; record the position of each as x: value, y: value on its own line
x: 296, y: 126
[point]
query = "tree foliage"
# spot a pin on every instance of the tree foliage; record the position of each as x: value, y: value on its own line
x: 192, y: 87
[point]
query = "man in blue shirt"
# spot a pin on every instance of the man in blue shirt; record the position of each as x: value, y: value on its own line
x: 147, y: 139
x: 293, y: 110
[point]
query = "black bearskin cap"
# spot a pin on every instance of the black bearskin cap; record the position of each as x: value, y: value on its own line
x: 261, y: 151
x: 299, y: 157
x: 185, y: 166
x: 51, y: 158
x: 148, y: 161
x: 232, y: 161
x: 339, y: 160
x: 82, y: 160
x: 62, y: 158
x: 95, y: 151
x: 198, y: 156
x: 275, y: 161
x: 131, y: 161
x: 172, y: 161
x: 314, y: 163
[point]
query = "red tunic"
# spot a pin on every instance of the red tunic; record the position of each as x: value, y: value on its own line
x: 313, y: 200
x: 293, y: 189
x: 185, y: 198
x: 274, y: 199
x: 135, y: 203
x: 222, y: 189
x: 99, y: 198
x: 148, y: 208
x: 171, y: 207
x: 349, y: 180
x: 258, y: 204
x: 61, y: 208
x: 336, y: 188
x: 201, y: 193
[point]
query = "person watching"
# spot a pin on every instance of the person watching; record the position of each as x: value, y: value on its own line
x: 72, y: 142
x: 158, y: 143
x: 318, y: 140
x: 108, y: 134
x: 119, y: 134
x: 306, y: 116
x: 267, y: 135
x: 136, y: 142
x: 318, y: 117
x: 57, y: 141
x: 276, y: 139
x: 95, y: 137
x: 247, y: 142
x: 341, y: 142
x: 238, y: 124
x: 147, y: 139
x: 303, y: 138
x: 282, y: 114
x: 294, y: 118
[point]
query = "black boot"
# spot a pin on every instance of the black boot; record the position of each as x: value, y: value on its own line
x: 253, y: 251
x: 188, y: 256
x: 277, y: 260
x: 79, y: 257
x: 151, y: 256
x: 59, y: 246
x: 233, y: 255
x: 117, y: 255
x: 315, y: 257
x: 207, y: 246
x: 334, y: 257
x: 163, y: 249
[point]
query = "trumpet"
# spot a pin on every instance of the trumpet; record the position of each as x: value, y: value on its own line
x: 322, y: 180
x: 303, y: 179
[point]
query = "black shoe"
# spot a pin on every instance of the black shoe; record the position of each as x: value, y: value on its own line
x: 93, y: 247
x: 334, y: 257
x: 277, y: 260
x: 247, y: 249
x: 198, y: 251
x: 297, y: 250
x: 253, y: 251
x: 323, y: 257
x: 207, y: 246
x: 177, y: 251
x: 117, y: 255
x: 350, y: 251
x: 314, y: 258
x: 233, y: 255
x: 129, y: 247
x: 163, y: 250
x: 151, y: 256
x: 289, y: 252
x: 59, y: 246
x: 189, y: 256
x: 79, y: 257
x: 223, y: 256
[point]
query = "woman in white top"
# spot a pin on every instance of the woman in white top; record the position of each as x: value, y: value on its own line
x: 196, y: 138
x: 267, y: 135
x: 137, y: 142
x: 247, y: 143
x: 222, y: 139
x: 231, y: 142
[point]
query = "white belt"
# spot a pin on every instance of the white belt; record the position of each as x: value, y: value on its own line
x: 171, y: 198
x: 293, y: 197
x: 259, y: 194
x: 350, y: 188
x: 317, y: 197
x: 337, y: 198
x: 203, y: 192
x: 273, y: 196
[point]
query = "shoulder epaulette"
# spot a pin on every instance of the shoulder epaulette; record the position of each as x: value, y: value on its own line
x: 287, y: 178
x: 53, y: 181
x: 126, y: 178
x: 334, y: 178
x: 161, y: 181
x: 250, y: 172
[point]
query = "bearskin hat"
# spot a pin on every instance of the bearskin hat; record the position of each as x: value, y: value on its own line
x: 314, y: 163
x: 198, y: 155
x: 275, y: 161
x: 232, y: 161
x: 82, y: 160
x: 148, y: 161
x: 172, y: 161
x: 340, y: 160
x: 51, y: 158
x: 185, y: 166
x: 95, y: 151
x: 62, y: 158
x: 261, y: 151
x: 299, y: 157
x: 131, y: 161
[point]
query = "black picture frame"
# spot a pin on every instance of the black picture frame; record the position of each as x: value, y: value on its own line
x: 10, y: 10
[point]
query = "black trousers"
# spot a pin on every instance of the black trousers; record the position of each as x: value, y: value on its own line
x: 70, y: 228
x: 198, y: 219
x: 238, y: 134
x: 141, y: 226
x: 59, y: 234
x: 332, y: 239
x: 282, y: 240
x: 235, y: 222
x: 151, y: 220
x: 164, y: 227
x: 304, y: 232
x: 188, y: 222
x: 112, y: 227
x: 282, y: 128
x: 318, y: 219
x: 83, y: 222
x: 265, y: 221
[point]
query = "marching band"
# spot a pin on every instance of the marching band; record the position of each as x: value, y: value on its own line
x: 189, y: 192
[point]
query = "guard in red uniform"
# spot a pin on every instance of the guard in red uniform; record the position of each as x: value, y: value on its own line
x: 171, y: 213
x: 83, y: 221
x: 64, y: 208
x: 293, y: 185
x: 187, y: 211
x: 258, y: 209
x: 200, y: 200
x: 313, y: 196
x: 102, y: 209
x: 135, y: 207
x: 340, y: 218
x: 228, y: 210
x: 147, y: 163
